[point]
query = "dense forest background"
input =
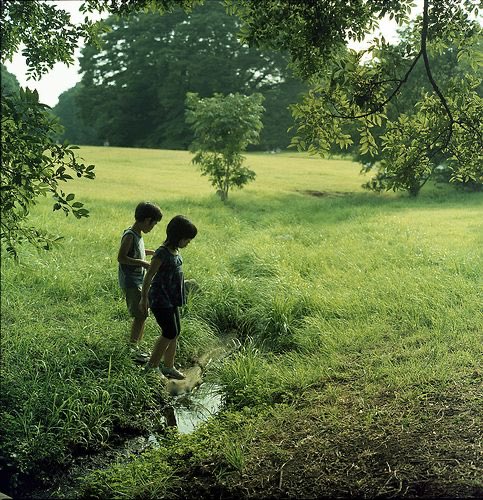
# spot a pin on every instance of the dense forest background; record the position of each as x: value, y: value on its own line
x: 133, y: 87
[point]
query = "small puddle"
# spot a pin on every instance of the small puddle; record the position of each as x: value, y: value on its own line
x: 191, y: 409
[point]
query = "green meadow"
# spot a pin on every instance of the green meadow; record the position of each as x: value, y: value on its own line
x: 359, y: 325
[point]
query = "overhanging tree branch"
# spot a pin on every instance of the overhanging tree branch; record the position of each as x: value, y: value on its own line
x: 424, y: 50
x: 386, y: 101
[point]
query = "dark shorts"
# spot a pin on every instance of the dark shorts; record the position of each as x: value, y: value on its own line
x: 168, y: 319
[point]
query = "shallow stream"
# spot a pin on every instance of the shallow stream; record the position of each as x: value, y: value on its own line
x: 190, y: 410
x: 186, y: 412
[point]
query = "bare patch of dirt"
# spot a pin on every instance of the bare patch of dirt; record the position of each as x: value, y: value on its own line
x: 427, y: 448
x: 320, y: 194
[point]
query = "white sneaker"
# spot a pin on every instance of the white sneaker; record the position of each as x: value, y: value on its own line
x: 139, y: 357
x: 173, y: 373
x: 157, y: 371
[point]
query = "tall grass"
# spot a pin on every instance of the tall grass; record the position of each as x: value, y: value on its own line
x: 381, y: 292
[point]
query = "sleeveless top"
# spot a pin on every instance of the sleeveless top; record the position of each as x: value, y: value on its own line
x: 132, y: 276
x: 167, y: 288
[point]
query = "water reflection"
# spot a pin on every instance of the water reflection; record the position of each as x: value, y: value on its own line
x: 189, y: 410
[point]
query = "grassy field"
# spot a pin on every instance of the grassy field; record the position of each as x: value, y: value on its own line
x: 359, y: 318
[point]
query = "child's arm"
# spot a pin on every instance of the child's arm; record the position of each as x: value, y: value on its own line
x: 122, y: 256
x: 153, y: 269
x: 149, y: 252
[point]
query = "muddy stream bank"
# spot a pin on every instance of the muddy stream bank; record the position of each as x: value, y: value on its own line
x: 192, y: 401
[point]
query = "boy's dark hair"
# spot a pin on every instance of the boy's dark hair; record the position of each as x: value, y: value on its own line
x: 148, y: 210
x: 179, y: 228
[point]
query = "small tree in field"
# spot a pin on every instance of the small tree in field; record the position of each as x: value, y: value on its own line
x: 223, y: 127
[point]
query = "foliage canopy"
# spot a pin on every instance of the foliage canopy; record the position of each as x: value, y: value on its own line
x: 355, y: 87
x: 9, y: 82
x: 134, y: 86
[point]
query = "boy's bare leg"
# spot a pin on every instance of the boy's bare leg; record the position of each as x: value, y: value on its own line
x: 159, y: 350
x: 169, y: 354
x: 137, y: 330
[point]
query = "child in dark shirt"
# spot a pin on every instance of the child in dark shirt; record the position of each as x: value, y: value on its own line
x: 164, y: 292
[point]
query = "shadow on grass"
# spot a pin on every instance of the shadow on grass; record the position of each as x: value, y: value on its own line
x: 333, y: 207
x: 250, y: 203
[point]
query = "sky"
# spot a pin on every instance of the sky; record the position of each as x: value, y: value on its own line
x: 63, y: 77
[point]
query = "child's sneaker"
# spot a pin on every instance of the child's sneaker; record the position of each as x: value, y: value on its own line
x: 172, y: 373
x: 157, y: 371
x: 139, y: 357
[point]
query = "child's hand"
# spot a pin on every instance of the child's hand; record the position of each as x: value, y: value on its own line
x: 145, y: 264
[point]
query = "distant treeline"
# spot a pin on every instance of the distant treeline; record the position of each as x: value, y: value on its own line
x: 133, y: 88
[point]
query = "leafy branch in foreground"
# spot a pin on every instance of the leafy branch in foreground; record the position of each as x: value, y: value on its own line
x: 353, y: 92
x: 33, y: 165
